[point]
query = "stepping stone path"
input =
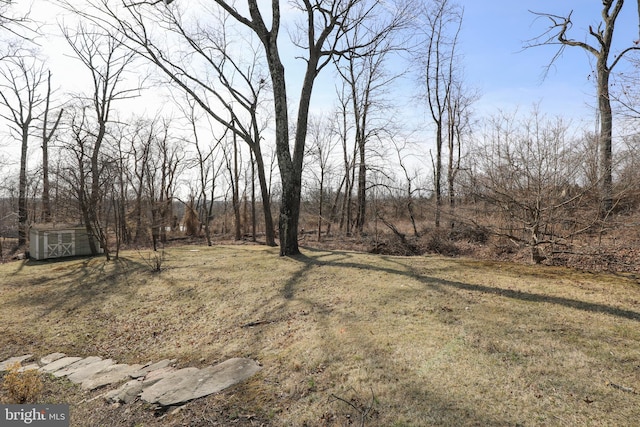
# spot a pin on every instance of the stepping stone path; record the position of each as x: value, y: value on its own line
x: 160, y: 382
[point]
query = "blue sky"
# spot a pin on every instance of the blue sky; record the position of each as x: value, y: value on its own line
x: 493, y: 35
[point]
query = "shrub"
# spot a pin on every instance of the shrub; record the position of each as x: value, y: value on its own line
x: 22, y: 387
x: 438, y: 242
x: 470, y: 233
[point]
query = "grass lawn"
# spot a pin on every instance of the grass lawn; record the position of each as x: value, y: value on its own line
x: 344, y: 338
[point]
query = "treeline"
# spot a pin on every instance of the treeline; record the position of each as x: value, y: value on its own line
x: 227, y: 134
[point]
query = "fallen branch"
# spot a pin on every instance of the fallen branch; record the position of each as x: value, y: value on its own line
x: 257, y: 323
x: 623, y: 388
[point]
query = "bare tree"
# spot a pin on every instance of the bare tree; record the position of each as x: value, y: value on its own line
x: 411, y: 176
x: 47, y: 135
x: 140, y: 140
x: 200, y: 61
x: 22, y: 76
x: 105, y: 58
x: 232, y: 162
x: 441, y: 21
x: 208, y: 169
x: 343, y: 127
x: 164, y: 165
x: 322, y: 144
x: 527, y: 172
x: 458, y: 120
x: 368, y: 83
x: 600, y: 46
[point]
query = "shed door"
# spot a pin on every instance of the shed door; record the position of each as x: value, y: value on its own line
x: 60, y: 245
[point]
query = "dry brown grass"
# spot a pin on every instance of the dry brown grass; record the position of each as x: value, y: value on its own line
x: 412, y: 341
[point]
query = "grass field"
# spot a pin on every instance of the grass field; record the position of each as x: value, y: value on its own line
x: 344, y: 338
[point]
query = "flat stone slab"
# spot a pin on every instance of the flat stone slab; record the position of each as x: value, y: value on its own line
x: 12, y: 360
x: 152, y: 367
x: 126, y: 393
x: 59, y: 364
x: 45, y: 360
x: 77, y: 366
x: 156, y: 375
x: 110, y: 375
x: 187, y: 384
x: 88, y: 371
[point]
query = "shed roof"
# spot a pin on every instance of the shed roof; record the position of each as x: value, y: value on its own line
x: 49, y: 226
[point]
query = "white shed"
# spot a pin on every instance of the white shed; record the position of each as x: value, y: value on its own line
x: 48, y: 241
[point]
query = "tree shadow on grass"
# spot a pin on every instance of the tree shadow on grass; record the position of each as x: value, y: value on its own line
x: 432, y: 405
x: 80, y: 283
x: 308, y: 262
x: 411, y: 273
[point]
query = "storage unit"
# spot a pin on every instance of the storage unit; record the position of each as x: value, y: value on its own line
x: 57, y: 242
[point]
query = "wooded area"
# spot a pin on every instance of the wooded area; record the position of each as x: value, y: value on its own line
x: 229, y: 155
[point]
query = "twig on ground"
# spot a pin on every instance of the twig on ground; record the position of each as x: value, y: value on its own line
x: 257, y: 323
x: 363, y: 411
x: 623, y: 388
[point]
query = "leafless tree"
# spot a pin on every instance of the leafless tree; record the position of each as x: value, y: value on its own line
x: 107, y: 61
x: 206, y: 165
x: 232, y: 162
x: 599, y: 45
x: 164, y: 165
x: 458, y: 122
x: 15, y: 26
x: 411, y: 177
x: 322, y: 143
x: 48, y: 131
x: 22, y: 77
x: 441, y: 21
x: 368, y: 83
x: 203, y: 61
x: 343, y: 127
x: 527, y: 171
x: 140, y: 138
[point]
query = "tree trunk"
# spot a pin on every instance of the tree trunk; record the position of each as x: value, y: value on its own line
x: 290, y: 175
x: 438, y: 174
x: 253, y: 199
x: 320, y: 207
x: 605, y: 138
x: 289, y: 214
x: 362, y: 187
x: 22, y: 187
x: 236, y: 191
x: 269, y: 231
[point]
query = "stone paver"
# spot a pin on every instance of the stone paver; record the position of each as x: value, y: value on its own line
x: 191, y: 383
x: 110, y: 375
x: 152, y: 367
x: 45, y: 360
x: 155, y: 376
x: 29, y: 367
x: 88, y: 371
x: 76, y: 366
x: 156, y: 383
x: 126, y: 393
x: 59, y: 364
x: 10, y: 361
